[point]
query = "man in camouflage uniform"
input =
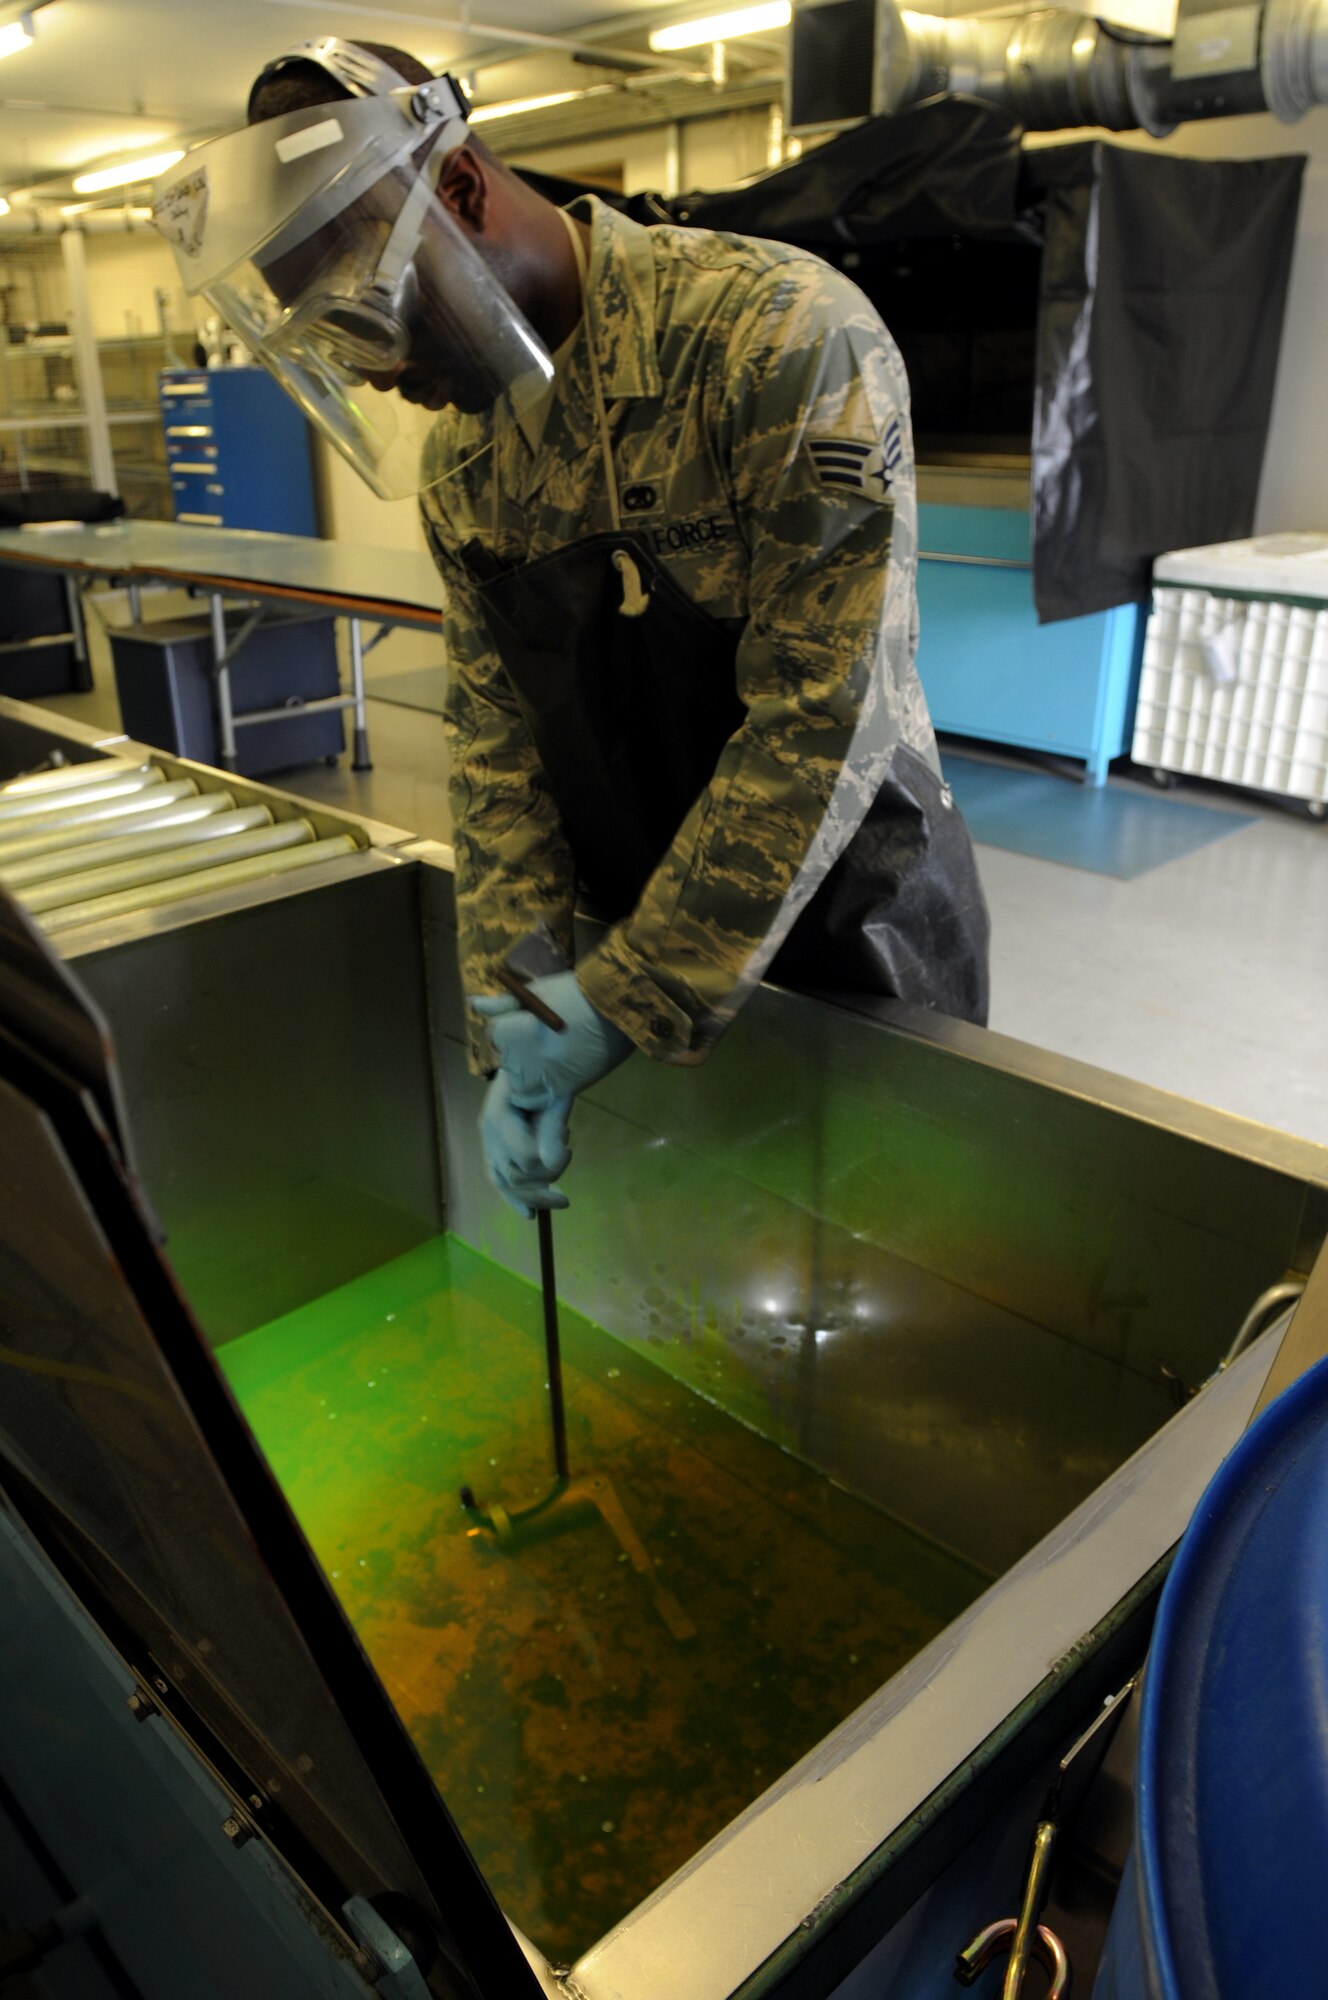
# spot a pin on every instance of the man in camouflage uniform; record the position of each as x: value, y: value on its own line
x: 681, y: 621
x: 758, y: 418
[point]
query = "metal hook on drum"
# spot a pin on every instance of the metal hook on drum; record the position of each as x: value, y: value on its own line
x: 1027, y: 1937
x: 1045, y: 1947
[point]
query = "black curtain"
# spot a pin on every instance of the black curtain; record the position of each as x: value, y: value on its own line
x: 1111, y: 313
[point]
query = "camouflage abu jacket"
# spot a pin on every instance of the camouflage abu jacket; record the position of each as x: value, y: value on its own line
x: 758, y: 417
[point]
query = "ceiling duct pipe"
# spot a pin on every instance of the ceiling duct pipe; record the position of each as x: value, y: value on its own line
x: 1050, y: 69
x: 1054, y: 70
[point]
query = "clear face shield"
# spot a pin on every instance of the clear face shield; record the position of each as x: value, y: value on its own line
x: 320, y: 237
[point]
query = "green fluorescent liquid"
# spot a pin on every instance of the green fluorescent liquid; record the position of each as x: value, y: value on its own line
x: 584, y: 1752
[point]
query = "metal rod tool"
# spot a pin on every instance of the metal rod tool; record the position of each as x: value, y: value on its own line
x: 552, y: 1345
x: 569, y: 1500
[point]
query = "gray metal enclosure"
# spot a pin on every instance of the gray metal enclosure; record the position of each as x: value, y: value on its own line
x: 972, y: 1283
x: 962, y: 1278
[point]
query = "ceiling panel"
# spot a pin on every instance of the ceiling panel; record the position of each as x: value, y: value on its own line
x: 107, y: 79
x: 39, y: 142
x: 103, y: 79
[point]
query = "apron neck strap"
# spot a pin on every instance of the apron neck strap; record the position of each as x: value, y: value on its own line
x: 596, y: 385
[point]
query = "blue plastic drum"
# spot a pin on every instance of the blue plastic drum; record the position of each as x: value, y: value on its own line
x: 1226, y: 1894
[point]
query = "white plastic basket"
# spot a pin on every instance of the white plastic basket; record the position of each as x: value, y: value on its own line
x: 1234, y: 688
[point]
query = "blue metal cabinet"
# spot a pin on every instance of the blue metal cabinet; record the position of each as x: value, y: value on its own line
x: 990, y: 670
x: 237, y: 450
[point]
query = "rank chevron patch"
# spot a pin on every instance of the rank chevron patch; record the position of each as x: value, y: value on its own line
x: 857, y: 467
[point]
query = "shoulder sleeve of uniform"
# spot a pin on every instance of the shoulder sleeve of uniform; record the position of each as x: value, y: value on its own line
x: 816, y: 398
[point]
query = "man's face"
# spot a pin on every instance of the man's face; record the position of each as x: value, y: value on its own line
x: 438, y: 371
x: 421, y: 382
x: 445, y: 365
x: 437, y: 380
x: 441, y: 367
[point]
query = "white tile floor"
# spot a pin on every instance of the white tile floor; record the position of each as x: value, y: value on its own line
x: 1208, y: 976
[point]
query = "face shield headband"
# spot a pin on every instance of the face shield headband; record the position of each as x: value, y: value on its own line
x: 320, y: 237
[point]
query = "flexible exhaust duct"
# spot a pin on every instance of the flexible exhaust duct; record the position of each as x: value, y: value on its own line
x: 1054, y: 70
x: 1049, y: 69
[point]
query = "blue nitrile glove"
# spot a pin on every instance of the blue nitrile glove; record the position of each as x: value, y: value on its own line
x: 523, y: 1125
x: 543, y: 1064
x: 524, y: 1151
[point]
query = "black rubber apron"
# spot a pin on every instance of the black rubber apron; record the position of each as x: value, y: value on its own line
x: 629, y: 715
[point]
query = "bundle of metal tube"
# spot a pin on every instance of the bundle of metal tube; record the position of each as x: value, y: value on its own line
x: 99, y: 840
x: 1055, y: 69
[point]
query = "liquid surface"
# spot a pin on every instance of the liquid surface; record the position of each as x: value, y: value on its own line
x: 584, y: 1752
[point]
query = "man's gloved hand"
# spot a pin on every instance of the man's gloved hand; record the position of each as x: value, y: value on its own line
x: 541, y: 1070
x: 524, y: 1151
x: 543, y: 1064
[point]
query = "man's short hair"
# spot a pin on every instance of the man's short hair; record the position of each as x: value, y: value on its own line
x: 298, y: 85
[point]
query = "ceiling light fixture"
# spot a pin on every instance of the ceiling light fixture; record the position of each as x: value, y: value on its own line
x: 111, y: 208
x: 515, y: 105
x: 722, y: 27
x: 16, y: 36
x: 127, y: 172
x: 4, y: 206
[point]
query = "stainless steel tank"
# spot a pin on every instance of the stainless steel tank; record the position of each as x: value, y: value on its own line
x: 967, y: 1293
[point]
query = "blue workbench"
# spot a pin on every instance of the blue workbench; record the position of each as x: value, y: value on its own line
x: 990, y: 670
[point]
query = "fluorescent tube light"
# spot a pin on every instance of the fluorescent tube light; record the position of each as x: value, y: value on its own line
x: 514, y: 105
x: 4, y: 206
x: 722, y: 27
x: 127, y: 172
x: 16, y: 36
x: 72, y: 208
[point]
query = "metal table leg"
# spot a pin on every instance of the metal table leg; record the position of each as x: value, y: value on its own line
x: 360, y: 760
x: 221, y: 683
x: 135, y: 596
x: 78, y: 626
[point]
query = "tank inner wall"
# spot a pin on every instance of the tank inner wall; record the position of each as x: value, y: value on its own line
x: 961, y: 1290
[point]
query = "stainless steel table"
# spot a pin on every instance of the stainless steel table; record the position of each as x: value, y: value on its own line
x: 382, y: 587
